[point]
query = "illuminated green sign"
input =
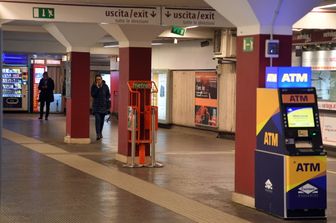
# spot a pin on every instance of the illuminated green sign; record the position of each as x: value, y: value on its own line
x: 178, y: 30
x: 43, y: 13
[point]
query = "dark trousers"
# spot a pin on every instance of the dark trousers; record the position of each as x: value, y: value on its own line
x: 99, y: 123
x: 47, y: 103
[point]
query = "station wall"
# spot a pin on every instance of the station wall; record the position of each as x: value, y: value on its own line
x: 184, y: 60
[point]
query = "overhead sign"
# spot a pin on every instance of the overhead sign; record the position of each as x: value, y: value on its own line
x: 193, y: 17
x: 141, y: 16
x: 314, y: 36
x: 14, y: 59
x: 86, y: 14
x: 288, y: 77
x: 43, y: 13
x: 151, y: 15
x: 320, y: 60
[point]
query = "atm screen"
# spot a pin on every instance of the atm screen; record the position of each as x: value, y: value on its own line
x: 300, y: 117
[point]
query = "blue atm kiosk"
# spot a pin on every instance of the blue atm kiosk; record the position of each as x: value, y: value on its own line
x: 290, y: 161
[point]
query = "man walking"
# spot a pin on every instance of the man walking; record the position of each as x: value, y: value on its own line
x: 46, y: 87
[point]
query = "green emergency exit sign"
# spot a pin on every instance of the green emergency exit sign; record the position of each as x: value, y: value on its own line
x: 248, y: 44
x: 44, y: 13
x: 178, y: 30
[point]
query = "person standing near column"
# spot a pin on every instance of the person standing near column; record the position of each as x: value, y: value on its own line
x: 46, y: 87
x: 100, y: 105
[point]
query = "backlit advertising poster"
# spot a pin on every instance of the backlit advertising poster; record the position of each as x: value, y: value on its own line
x: 206, y: 99
x: 161, y: 99
x: 162, y: 96
x: 328, y: 130
x: 37, y: 75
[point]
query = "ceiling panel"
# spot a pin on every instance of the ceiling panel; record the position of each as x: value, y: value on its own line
x: 175, y: 3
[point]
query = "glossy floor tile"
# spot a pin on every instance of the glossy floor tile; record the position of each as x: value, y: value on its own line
x: 36, y: 187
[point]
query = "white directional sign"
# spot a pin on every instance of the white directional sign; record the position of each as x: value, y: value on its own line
x: 71, y: 13
x: 141, y: 16
x: 193, y: 17
x: 114, y: 14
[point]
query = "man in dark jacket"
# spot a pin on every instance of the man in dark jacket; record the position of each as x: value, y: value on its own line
x: 100, y: 106
x: 46, y: 87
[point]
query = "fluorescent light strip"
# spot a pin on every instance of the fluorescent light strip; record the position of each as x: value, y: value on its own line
x: 326, y: 6
x: 111, y: 46
x: 191, y: 27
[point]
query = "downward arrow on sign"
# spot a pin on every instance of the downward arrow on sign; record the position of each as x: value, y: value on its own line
x: 168, y: 14
x: 153, y: 14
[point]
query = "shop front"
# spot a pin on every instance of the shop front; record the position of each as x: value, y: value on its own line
x: 56, y: 72
x: 323, y: 64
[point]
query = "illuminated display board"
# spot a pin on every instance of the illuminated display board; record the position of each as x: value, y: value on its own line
x: 288, y: 77
x: 14, y: 59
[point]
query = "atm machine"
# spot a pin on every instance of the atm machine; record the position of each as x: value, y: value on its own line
x: 290, y: 161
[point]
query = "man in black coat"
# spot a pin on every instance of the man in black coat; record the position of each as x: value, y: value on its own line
x: 46, y: 87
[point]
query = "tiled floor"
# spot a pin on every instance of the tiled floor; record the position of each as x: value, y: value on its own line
x: 45, y: 180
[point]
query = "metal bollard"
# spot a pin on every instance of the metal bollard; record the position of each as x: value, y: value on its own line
x: 152, y: 152
x: 152, y: 148
x: 134, y: 120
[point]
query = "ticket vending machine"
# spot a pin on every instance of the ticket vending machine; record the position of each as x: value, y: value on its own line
x: 290, y: 161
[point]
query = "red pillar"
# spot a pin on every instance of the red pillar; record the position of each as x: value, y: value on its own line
x: 135, y: 64
x: 250, y: 76
x: 77, y: 106
x: 114, y: 91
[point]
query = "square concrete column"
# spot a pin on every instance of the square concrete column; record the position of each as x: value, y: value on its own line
x: 135, y: 64
x: 78, y: 104
x: 251, y: 66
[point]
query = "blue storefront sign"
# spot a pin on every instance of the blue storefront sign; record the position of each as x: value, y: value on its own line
x: 15, y: 59
x: 288, y: 77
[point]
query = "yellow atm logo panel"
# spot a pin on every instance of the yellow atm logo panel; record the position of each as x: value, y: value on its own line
x: 300, y: 169
x: 271, y: 139
x: 267, y: 106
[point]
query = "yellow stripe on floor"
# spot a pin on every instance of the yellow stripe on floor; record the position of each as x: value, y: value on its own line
x: 179, y: 204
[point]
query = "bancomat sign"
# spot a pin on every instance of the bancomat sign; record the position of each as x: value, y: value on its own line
x: 288, y: 77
